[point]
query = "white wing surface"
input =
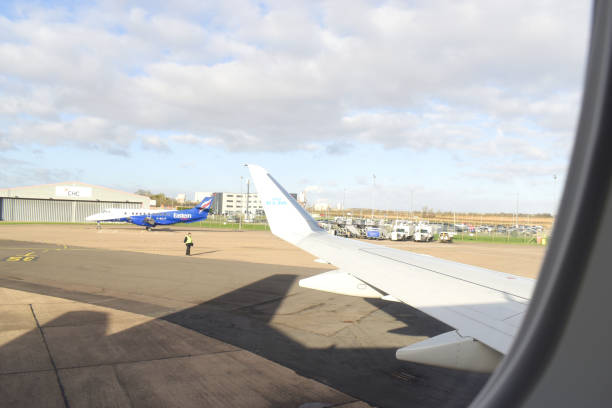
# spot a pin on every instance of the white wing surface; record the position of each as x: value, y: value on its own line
x: 485, y: 307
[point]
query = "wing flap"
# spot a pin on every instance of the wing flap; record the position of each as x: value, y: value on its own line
x: 451, y: 350
x: 342, y: 283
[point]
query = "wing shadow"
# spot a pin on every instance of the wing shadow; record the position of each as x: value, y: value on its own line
x: 247, y: 317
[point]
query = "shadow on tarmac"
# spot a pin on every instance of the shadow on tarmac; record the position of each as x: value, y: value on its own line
x: 369, y: 374
x: 373, y: 375
x: 244, y: 318
x: 205, y: 252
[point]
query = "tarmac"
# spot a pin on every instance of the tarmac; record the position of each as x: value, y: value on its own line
x: 120, y: 317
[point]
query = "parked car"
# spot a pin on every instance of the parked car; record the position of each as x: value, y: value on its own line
x: 445, y: 237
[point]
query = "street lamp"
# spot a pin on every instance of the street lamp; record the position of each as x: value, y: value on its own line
x: 373, y: 188
x: 240, y: 213
x: 517, y: 210
x: 247, y: 199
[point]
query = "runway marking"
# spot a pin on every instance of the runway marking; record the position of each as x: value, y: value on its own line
x: 29, y: 257
x: 32, y: 256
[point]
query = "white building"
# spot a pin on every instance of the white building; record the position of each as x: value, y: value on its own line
x: 321, y: 205
x: 301, y: 198
x: 180, y: 198
x: 236, y: 203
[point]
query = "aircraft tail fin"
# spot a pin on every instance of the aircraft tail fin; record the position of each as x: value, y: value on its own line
x: 205, y: 204
x: 287, y: 219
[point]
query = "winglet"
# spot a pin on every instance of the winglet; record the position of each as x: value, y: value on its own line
x: 287, y: 219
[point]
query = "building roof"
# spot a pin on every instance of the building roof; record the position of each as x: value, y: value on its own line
x: 62, y: 190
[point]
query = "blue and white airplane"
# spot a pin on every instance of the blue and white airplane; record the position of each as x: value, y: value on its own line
x: 151, y: 218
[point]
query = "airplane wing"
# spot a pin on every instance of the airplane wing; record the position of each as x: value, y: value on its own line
x: 485, y: 307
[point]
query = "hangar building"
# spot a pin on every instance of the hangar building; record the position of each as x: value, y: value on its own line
x: 63, y: 202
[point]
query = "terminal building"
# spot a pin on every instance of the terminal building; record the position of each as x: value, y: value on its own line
x: 63, y: 202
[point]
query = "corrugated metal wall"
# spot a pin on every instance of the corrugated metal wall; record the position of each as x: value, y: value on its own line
x: 33, y: 210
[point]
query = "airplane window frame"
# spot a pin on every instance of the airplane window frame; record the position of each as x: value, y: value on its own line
x: 572, y: 263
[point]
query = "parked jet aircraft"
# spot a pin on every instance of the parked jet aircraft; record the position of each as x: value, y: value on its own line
x: 485, y: 307
x: 151, y: 218
x: 115, y: 214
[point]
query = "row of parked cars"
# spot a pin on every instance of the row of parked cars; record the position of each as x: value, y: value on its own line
x: 401, y: 230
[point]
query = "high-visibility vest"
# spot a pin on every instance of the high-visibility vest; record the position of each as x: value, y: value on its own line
x: 188, y: 239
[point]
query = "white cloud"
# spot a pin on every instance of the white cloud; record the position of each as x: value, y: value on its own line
x: 516, y: 173
x: 314, y: 189
x: 21, y: 172
x: 155, y: 143
x: 245, y: 77
x: 86, y: 132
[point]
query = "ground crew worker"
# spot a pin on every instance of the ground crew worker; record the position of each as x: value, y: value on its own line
x: 188, y: 243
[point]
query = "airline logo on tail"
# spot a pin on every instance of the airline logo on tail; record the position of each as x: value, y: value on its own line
x: 276, y: 201
x: 205, y: 205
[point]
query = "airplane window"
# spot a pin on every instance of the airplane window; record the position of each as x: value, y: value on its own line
x: 429, y: 140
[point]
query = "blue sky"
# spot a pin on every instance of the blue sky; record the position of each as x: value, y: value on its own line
x: 457, y: 105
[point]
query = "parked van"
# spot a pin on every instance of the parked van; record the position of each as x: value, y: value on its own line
x: 423, y: 233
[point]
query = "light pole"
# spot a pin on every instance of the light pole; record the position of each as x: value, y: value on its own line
x: 517, y: 208
x: 247, y: 203
x: 343, y: 201
x: 373, y: 188
x: 412, y: 205
x: 240, y: 213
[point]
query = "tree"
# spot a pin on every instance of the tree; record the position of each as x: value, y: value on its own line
x: 144, y: 192
x: 160, y: 198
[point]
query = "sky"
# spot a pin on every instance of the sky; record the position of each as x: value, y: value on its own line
x: 467, y: 106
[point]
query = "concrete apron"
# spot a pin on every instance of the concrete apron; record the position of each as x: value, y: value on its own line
x: 56, y: 352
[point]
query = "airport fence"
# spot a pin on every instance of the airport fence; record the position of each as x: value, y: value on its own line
x: 501, y: 237
x: 223, y: 222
